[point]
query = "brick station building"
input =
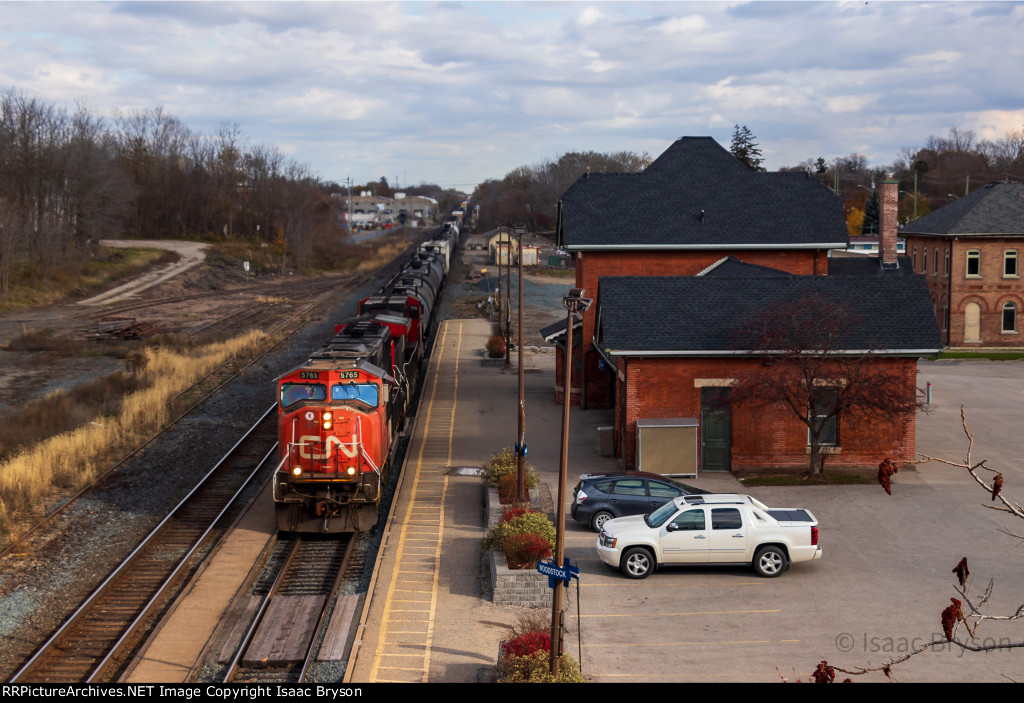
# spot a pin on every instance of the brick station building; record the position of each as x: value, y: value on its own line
x: 683, y: 258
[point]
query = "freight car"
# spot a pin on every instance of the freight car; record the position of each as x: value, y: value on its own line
x: 339, y: 414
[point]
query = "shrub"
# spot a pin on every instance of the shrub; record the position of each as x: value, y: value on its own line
x: 504, y: 463
x: 535, y: 668
x: 508, y: 488
x: 496, y: 347
x: 529, y: 522
x: 525, y: 550
x: 526, y: 643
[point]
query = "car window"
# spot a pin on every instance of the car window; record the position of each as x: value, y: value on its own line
x: 604, y: 486
x: 663, y: 490
x: 725, y: 519
x: 630, y: 487
x: 690, y: 520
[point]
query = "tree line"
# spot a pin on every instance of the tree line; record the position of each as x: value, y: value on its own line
x: 945, y: 168
x: 70, y: 178
x: 529, y: 194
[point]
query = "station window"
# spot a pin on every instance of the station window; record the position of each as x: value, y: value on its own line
x: 1010, y: 318
x: 824, y: 416
x: 1010, y: 263
x: 974, y: 263
x: 945, y: 267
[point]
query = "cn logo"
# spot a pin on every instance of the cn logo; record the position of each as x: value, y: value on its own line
x: 307, y: 441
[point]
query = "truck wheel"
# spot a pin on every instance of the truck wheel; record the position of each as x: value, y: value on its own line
x: 770, y: 562
x: 600, y: 518
x: 637, y: 563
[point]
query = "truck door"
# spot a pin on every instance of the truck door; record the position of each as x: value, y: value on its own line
x: 685, y: 538
x: 728, y: 538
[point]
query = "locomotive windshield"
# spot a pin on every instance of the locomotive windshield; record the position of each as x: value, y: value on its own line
x: 364, y: 393
x: 292, y: 393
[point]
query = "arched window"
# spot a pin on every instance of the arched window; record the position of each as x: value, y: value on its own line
x: 1010, y: 318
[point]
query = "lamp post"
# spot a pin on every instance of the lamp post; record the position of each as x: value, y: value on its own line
x: 574, y: 302
x: 520, y: 230
x: 508, y: 301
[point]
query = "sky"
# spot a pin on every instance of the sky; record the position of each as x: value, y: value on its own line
x: 456, y: 93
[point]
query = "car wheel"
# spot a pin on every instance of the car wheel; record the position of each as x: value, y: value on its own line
x: 637, y: 563
x: 599, y: 519
x: 770, y: 561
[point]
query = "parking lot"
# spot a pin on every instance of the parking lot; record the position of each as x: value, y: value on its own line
x: 879, y: 590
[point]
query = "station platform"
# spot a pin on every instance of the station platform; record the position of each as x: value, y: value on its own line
x: 429, y: 617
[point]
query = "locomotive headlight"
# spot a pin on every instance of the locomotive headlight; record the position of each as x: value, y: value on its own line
x: 297, y: 471
x: 351, y: 471
x: 326, y: 420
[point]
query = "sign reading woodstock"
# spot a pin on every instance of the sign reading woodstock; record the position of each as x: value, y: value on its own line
x: 565, y: 573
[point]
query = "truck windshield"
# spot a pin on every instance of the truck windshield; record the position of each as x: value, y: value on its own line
x: 659, y: 516
x: 362, y: 393
x: 292, y: 393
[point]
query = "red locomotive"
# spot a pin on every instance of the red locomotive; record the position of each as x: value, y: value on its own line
x: 339, y: 414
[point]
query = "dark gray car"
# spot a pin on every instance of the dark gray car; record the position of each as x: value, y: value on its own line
x: 600, y: 497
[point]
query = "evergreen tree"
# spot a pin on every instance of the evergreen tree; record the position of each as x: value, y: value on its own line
x: 872, y: 215
x: 746, y: 149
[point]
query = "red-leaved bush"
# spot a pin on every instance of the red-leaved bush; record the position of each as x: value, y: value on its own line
x: 508, y: 488
x: 523, y: 550
x: 527, y: 643
x: 512, y: 513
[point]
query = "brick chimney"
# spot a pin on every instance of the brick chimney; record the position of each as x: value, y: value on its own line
x: 887, y: 238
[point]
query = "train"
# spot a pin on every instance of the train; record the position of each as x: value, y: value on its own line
x: 340, y: 413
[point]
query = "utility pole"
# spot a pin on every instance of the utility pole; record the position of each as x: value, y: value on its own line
x: 574, y: 302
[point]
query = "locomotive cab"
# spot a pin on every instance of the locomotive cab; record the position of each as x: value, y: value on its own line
x: 334, y: 425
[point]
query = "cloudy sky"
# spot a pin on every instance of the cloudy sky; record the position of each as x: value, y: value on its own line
x: 456, y: 93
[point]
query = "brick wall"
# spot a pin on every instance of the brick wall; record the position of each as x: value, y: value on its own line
x: 990, y: 291
x: 766, y: 436
x: 590, y: 266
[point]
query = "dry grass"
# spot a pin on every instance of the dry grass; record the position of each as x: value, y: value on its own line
x: 72, y: 459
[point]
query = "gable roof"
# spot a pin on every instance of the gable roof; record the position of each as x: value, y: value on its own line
x: 697, y: 195
x: 995, y: 209
x: 707, y: 316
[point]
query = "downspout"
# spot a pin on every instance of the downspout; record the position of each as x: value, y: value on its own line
x: 949, y: 294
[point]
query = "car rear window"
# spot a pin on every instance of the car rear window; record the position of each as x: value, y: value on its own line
x: 663, y: 490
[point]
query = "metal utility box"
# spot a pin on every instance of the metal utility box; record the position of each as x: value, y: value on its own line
x: 668, y: 446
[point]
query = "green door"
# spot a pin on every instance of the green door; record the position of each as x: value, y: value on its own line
x: 715, y: 430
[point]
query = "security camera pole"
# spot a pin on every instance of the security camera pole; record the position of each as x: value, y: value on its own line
x: 574, y: 303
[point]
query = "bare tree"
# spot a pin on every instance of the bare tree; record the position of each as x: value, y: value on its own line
x: 809, y: 367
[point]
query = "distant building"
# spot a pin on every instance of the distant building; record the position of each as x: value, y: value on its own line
x: 970, y: 252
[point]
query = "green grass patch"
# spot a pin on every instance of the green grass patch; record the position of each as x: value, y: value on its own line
x: 805, y: 479
x: 994, y: 355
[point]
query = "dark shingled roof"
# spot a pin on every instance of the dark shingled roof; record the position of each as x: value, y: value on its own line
x: 995, y: 209
x: 699, y: 315
x: 732, y: 267
x: 698, y: 195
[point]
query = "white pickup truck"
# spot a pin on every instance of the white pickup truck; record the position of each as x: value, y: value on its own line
x: 714, y: 528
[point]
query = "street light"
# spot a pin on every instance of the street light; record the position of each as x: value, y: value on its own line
x: 520, y: 230
x: 574, y: 303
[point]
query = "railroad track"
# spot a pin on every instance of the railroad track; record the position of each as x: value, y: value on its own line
x: 96, y: 641
x: 294, y: 592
